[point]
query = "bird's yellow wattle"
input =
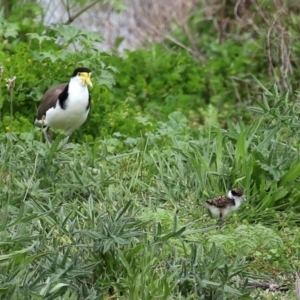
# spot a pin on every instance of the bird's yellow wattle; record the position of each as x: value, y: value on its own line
x: 86, y: 78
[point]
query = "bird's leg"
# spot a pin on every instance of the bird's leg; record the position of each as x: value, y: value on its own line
x: 209, y: 212
x: 220, y: 220
x: 68, y: 137
x: 48, y: 135
x: 64, y: 144
x: 66, y: 141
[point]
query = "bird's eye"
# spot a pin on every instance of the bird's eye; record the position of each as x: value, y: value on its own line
x: 79, y: 74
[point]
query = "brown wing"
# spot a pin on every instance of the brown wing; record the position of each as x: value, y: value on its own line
x: 49, y: 100
x: 220, y: 202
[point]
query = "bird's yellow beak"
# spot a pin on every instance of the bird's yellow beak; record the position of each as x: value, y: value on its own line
x: 86, y: 78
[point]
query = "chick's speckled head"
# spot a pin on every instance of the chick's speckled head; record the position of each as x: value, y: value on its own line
x: 236, y: 193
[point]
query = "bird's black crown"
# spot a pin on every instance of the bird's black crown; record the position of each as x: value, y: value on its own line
x: 79, y: 70
x: 237, y: 192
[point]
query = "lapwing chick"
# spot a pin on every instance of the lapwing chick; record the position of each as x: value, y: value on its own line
x: 66, y: 106
x: 223, y: 205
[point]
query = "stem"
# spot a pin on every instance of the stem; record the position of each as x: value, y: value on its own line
x: 11, y: 108
x: 1, y: 103
x: 76, y: 15
x: 6, y: 8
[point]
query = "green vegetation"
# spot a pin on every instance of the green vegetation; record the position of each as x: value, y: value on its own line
x: 118, y: 213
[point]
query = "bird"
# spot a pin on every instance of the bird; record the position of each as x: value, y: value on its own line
x: 223, y: 205
x: 66, y: 106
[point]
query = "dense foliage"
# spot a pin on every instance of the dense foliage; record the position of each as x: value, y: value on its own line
x: 118, y: 212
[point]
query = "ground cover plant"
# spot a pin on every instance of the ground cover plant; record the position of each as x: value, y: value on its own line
x: 91, y: 221
x: 118, y: 213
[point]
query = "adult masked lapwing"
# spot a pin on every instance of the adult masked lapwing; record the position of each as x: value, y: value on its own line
x: 66, y: 106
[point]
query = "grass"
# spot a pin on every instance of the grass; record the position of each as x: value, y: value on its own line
x: 124, y: 218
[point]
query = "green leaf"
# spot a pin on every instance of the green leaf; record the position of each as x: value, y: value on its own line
x: 106, y: 78
x: 68, y: 32
x: 172, y: 234
x: 38, y: 37
x: 291, y: 175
